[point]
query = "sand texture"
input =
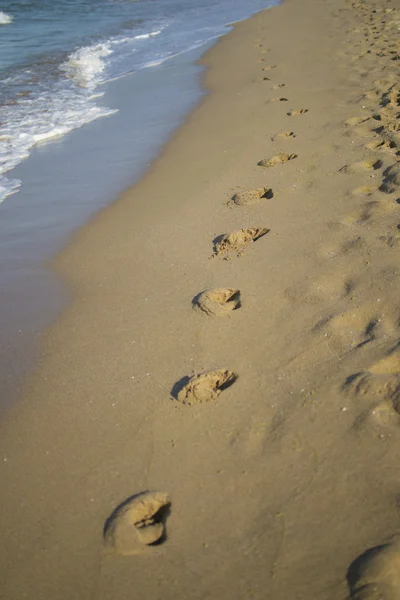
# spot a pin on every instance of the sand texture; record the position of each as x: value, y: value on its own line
x: 276, y: 428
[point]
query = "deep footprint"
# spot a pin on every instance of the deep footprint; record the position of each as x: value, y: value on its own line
x: 204, y: 387
x: 137, y: 522
x: 279, y: 159
x: 217, y: 302
x: 252, y: 196
x: 238, y: 241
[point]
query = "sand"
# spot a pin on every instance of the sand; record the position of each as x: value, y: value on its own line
x: 280, y: 481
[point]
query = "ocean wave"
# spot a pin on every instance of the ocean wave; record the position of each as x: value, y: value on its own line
x: 5, y: 19
x: 42, y: 118
x: 86, y: 64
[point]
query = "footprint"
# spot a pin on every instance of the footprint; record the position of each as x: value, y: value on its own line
x: 364, y: 190
x: 204, y: 387
x: 369, y: 211
x: 381, y: 144
x: 218, y: 302
x: 251, y: 197
x: 137, y: 522
x: 277, y: 100
x: 269, y: 67
x: 318, y: 289
x: 279, y: 159
x: 363, y: 165
x: 375, y: 575
x: 278, y: 86
x: 391, y: 179
x: 351, y: 329
x: 286, y: 134
x: 354, y: 121
x: 237, y: 241
x: 381, y: 380
x: 295, y: 113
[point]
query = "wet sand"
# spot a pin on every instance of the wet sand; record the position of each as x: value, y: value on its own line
x: 280, y: 463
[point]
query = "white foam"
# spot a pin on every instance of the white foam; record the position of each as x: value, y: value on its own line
x: 5, y: 19
x: 39, y: 120
x: 146, y: 36
x: 86, y: 65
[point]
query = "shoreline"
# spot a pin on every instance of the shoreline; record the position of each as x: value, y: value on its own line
x: 289, y: 475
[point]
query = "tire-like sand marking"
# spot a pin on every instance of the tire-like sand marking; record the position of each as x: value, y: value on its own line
x: 204, y: 387
x: 217, y: 302
x: 139, y: 521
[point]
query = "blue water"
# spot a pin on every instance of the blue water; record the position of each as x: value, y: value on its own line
x: 56, y: 56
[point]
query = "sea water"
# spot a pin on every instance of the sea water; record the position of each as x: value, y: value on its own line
x: 90, y: 90
x: 56, y: 56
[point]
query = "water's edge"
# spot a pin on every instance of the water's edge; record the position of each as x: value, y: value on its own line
x: 34, y: 295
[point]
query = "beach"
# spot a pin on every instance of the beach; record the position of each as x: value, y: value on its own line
x: 280, y: 464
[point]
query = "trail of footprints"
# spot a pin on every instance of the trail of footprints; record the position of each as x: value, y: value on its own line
x: 140, y: 521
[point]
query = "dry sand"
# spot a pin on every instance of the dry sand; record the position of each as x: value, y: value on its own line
x: 282, y: 463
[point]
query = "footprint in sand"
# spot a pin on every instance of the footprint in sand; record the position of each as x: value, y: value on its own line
x: 355, y: 244
x: 351, y: 329
x: 361, y: 166
x: 251, y: 197
x: 204, y: 387
x: 354, y: 121
x: 382, y: 144
x: 217, y: 302
x: 238, y: 241
x: 375, y: 575
x: 391, y: 179
x: 287, y: 134
x: 278, y: 86
x: 279, y: 159
x: 313, y: 290
x: 364, y: 190
x: 368, y: 212
x: 380, y: 381
x: 296, y: 113
x: 138, y: 522
x: 279, y: 99
x: 269, y: 67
